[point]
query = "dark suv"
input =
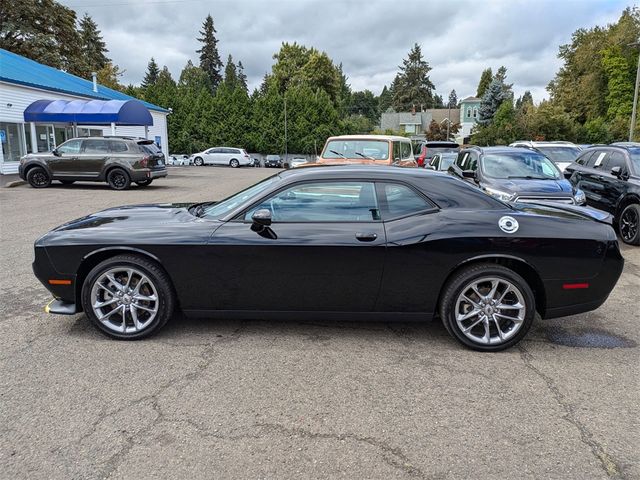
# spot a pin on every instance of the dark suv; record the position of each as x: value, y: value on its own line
x: 610, y: 178
x: 115, y: 160
x: 515, y: 175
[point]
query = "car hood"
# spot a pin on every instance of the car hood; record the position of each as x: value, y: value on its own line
x: 559, y: 187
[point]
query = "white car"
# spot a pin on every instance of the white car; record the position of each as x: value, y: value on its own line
x: 234, y: 157
x: 297, y: 162
x: 562, y: 154
x: 178, y: 159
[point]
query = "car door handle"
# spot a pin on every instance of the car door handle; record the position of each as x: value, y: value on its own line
x: 366, y: 237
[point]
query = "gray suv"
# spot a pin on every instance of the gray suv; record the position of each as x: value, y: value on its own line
x: 115, y: 160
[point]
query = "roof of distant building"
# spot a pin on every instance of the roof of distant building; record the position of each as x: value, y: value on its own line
x: 20, y: 70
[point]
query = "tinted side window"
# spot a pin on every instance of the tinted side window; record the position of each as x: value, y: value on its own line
x: 72, y: 146
x: 595, y: 161
x: 584, y: 158
x: 616, y: 159
x: 462, y: 160
x: 401, y: 200
x: 96, y: 146
x: 397, y: 154
x: 117, y: 146
x: 472, y: 161
x: 406, y: 150
x: 435, y: 161
x: 323, y: 202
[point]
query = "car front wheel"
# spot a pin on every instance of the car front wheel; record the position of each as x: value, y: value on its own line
x: 38, y: 177
x: 487, y: 307
x: 198, y: 162
x: 128, y: 297
x: 118, y: 179
x: 629, y: 224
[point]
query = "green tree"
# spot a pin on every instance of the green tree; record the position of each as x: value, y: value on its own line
x: 93, y: 47
x: 438, y: 131
x: 619, y: 96
x: 210, y: 61
x: 385, y: 100
x: 242, y: 77
x: 231, y: 74
x: 491, y: 101
x: 109, y: 76
x: 485, y: 80
x: 453, y: 99
x: 364, y: 103
x: 412, y: 86
x: 151, y: 76
x: 501, y: 76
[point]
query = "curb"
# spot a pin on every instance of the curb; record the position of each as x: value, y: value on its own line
x: 15, y: 183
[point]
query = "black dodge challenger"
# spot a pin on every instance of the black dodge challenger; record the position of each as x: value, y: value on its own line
x: 344, y: 242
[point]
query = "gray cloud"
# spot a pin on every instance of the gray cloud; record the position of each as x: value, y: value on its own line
x: 370, y: 38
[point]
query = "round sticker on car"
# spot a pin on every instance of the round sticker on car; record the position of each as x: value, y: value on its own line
x: 508, y: 224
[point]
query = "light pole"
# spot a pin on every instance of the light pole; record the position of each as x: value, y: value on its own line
x: 635, y: 96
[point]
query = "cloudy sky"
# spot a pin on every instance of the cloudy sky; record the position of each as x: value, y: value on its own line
x: 370, y: 37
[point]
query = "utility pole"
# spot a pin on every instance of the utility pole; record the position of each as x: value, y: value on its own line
x: 448, y: 121
x: 635, y: 96
x: 285, y: 128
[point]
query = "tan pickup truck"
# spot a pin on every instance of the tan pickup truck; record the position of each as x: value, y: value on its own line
x: 368, y: 150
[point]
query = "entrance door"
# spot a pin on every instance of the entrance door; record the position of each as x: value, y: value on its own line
x: 45, y: 138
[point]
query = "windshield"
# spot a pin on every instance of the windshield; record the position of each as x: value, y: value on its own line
x: 560, y: 154
x: 220, y: 209
x: 525, y: 164
x: 371, y: 149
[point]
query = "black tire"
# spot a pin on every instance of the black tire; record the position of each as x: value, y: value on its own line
x: 118, y: 179
x: 629, y: 224
x: 38, y: 177
x: 144, y: 183
x: 198, y: 162
x: 234, y: 163
x: 459, y: 284
x: 160, y: 280
x: 67, y: 182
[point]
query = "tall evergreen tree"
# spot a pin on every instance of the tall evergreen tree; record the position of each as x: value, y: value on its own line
x: 485, y: 81
x: 93, y: 47
x: 151, y: 77
x: 501, y: 76
x: 412, y: 86
x: 385, y: 100
x: 453, y: 99
x: 210, y: 61
x: 491, y: 101
x: 231, y: 74
x: 242, y: 77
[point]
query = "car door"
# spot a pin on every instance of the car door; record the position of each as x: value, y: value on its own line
x: 592, y: 179
x: 410, y: 220
x: 210, y: 156
x: 92, y: 158
x: 324, y: 251
x: 62, y: 163
x: 613, y: 187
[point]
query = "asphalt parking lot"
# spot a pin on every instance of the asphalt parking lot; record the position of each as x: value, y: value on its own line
x: 255, y: 399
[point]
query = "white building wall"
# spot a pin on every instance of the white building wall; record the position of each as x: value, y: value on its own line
x: 14, y: 99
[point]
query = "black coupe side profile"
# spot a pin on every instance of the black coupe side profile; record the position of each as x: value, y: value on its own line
x: 341, y: 242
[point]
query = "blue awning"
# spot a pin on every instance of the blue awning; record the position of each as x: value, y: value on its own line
x: 89, y: 112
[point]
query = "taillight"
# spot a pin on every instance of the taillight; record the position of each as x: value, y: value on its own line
x: 145, y: 161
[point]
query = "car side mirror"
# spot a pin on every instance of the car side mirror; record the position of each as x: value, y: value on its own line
x: 617, y: 172
x: 260, y: 219
x: 56, y: 152
x: 469, y: 173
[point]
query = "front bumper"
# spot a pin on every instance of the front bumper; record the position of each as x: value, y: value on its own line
x: 60, y: 307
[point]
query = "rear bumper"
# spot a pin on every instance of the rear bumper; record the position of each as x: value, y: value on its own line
x: 146, y: 174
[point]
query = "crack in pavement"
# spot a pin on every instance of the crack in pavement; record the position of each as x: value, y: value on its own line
x: 610, y: 466
x: 393, y: 456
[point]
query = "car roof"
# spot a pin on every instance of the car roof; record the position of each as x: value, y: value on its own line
x: 363, y: 171
x: 557, y: 143
x: 496, y: 149
x: 369, y: 137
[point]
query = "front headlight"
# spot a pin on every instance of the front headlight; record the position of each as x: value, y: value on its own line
x: 500, y: 195
x: 579, y: 197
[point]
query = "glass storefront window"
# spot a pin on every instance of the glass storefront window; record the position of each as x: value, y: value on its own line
x: 12, y: 138
x: 45, y: 138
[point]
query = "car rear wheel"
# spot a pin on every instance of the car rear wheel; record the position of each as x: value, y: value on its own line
x: 128, y: 297
x: 38, y: 177
x: 67, y: 182
x: 629, y: 224
x: 487, y: 307
x: 118, y: 179
x: 234, y: 163
x: 144, y: 183
x: 198, y: 162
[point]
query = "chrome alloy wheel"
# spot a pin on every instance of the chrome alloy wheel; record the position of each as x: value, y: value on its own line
x: 629, y: 224
x: 490, y: 310
x: 124, y: 299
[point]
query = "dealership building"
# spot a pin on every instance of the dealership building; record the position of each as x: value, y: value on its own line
x: 41, y: 107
